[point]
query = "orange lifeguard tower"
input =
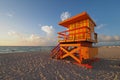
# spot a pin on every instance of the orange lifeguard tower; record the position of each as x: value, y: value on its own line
x: 76, y: 42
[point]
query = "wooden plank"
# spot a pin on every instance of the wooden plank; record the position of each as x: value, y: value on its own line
x: 75, y: 58
x: 71, y: 54
x: 67, y: 53
x: 70, y: 44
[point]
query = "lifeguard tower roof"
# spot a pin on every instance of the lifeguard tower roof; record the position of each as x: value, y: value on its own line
x: 76, y: 18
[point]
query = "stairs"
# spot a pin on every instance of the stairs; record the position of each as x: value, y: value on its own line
x: 56, y: 52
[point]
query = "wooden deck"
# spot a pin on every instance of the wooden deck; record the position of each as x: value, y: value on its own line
x: 78, y: 40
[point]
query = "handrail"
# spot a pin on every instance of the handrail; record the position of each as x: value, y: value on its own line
x: 76, y: 35
x: 73, y: 34
x: 55, y: 47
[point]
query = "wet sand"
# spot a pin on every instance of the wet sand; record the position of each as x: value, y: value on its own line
x: 38, y: 66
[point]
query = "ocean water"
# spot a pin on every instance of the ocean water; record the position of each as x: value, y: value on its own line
x: 13, y: 49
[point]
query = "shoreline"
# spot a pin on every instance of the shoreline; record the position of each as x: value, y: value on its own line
x: 38, y: 66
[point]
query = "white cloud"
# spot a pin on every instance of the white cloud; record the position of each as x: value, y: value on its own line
x: 29, y: 40
x: 9, y: 14
x: 50, y: 37
x: 101, y: 26
x: 65, y: 15
x: 34, y: 37
x: 13, y: 33
x: 47, y: 29
x: 104, y: 38
x: 36, y: 40
x: 16, y: 34
x: 117, y: 38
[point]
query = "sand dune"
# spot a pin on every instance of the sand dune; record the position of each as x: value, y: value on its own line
x: 38, y: 66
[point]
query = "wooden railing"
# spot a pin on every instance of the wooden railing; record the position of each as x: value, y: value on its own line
x: 76, y: 35
x: 55, y: 52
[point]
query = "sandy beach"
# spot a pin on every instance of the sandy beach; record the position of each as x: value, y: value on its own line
x: 39, y: 66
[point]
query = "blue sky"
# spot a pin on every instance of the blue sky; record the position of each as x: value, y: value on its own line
x: 35, y: 22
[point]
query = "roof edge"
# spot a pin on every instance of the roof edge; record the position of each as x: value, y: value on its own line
x: 75, y: 17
